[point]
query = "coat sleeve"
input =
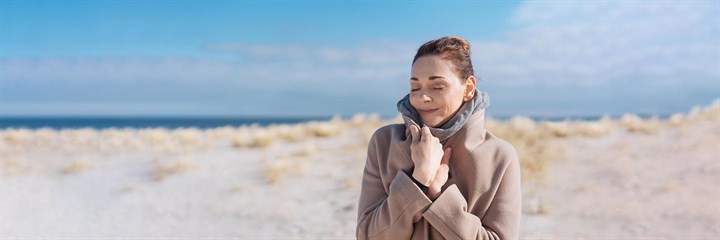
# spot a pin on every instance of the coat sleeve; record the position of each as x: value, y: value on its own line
x: 387, y: 214
x: 450, y: 216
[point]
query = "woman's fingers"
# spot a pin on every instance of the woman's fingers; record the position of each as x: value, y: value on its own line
x: 446, y: 156
x: 442, y: 173
x: 443, y: 170
x: 426, y: 135
x: 441, y: 177
x: 427, y: 154
x: 415, y: 132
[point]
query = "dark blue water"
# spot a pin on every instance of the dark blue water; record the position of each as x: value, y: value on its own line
x: 201, y: 122
x: 584, y: 117
x: 145, y: 122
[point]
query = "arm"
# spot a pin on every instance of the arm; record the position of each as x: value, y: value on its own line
x: 449, y: 214
x: 391, y: 214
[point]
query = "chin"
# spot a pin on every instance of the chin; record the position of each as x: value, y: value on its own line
x: 433, y: 122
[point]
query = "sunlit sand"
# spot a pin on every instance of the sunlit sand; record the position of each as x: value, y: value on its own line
x: 613, y: 178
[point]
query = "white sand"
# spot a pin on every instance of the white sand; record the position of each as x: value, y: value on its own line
x: 222, y: 192
x: 621, y: 185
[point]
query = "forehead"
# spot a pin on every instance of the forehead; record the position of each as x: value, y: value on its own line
x: 432, y: 65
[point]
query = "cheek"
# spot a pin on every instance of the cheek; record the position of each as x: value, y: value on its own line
x: 446, y: 101
x: 452, y: 102
x: 413, y: 100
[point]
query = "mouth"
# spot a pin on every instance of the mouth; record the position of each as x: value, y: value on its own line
x: 426, y: 111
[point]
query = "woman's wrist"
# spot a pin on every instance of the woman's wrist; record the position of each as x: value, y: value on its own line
x: 423, y: 188
x: 421, y: 177
x: 433, y: 194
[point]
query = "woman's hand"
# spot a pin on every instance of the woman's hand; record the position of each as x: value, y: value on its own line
x: 441, y: 176
x: 427, y: 155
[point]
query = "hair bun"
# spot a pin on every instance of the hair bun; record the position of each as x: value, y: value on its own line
x: 459, y: 41
x: 452, y: 48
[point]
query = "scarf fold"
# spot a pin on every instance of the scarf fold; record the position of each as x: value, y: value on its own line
x: 411, y: 117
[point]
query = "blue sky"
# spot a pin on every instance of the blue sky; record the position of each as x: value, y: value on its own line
x: 309, y: 58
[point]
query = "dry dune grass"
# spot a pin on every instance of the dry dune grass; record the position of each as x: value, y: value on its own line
x: 163, y: 140
x: 325, y: 129
x: 120, y: 140
x: 308, y: 150
x: 279, y: 168
x: 264, y: 137
x: 245, y: 166
x: 534, y: 140
x: 291, y: 133
x: 162, y: 168
x: 190, y: 139
x: 633, y: 123
x: 226, y: 132
x: 535, y: 144
x: 711, y: 112
x: 17, y: 136
x: 15, y: 140
x: 562, y: 129
x: 14, y: 164
x: 76, y: 165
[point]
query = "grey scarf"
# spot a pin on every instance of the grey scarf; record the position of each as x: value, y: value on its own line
x: 410, y: 116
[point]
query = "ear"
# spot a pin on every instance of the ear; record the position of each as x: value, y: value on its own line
x: 469, y: 88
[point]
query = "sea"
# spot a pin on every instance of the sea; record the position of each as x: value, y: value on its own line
x: 73, y: 122
x: 97, y: 122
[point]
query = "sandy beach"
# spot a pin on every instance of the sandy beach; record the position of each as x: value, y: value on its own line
x: 625, y: 178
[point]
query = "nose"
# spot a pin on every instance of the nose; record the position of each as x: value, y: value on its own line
x: 425, y: 98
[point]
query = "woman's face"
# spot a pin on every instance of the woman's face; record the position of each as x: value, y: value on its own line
x: 436, y: 92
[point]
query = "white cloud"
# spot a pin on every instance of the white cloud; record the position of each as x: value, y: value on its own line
x: 290, y: 66
x: 563, y: 44
x: 105, y: 109
x: 554, y: 43
x: 591, y: 43
x: 370, y: 54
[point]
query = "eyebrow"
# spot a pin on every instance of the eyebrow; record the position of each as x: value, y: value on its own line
x: 430, y: 78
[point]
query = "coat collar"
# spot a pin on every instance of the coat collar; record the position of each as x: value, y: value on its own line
x: 473, y: 133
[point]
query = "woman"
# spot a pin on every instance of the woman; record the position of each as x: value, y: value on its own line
x: 441, y: 175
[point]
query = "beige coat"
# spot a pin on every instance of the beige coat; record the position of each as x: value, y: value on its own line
x: 481, y: 200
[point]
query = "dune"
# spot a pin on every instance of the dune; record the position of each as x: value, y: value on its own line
x: 613, y: 178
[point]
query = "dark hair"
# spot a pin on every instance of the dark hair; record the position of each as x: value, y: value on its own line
x: 452, y: 48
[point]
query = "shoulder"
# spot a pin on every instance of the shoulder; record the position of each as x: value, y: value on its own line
x: 387, y: 133
x: 385, y: 142
x: 503, y: 152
